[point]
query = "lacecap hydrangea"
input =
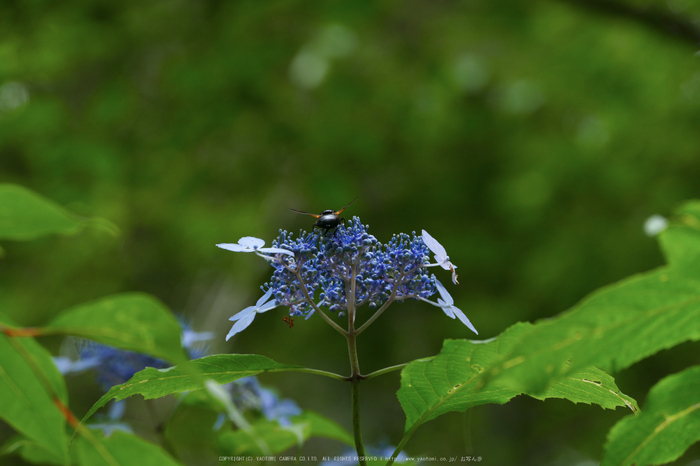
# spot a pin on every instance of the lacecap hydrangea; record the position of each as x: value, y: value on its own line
x: 344, y: 269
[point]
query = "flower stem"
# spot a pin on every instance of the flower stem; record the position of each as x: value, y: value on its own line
x: 355, y: 376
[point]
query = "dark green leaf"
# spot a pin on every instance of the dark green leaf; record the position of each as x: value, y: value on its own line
x: 666, y: 427
x: 25, y: 402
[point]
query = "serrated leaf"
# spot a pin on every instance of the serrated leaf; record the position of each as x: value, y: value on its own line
x: 453, y: 381
x: 25, y: 403
x: 611, y: 329
x: 119, y: 449
x: 666, y: 427
x: 222, y: 368
x: 131, y: 321
x: 25, y: 215
x: 590, y: 386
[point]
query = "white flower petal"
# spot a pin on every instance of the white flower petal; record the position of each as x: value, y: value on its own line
x: 443, y: 293
x: 251, y: 242
x: 446, y: 308
x: 234, y: 247
x: 244, y: 313
x: 276, y: 251
x: 189, y: 337
x: 267, y: 306
x: 241, y: 325
x: 460, y: 315
x: 264, y: 298
x: 433, y: 245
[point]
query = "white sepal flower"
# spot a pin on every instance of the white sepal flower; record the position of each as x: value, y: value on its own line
x: 244, y: 318
x: 252, y: 244
x: 447, y: 304
x: 443, y: 260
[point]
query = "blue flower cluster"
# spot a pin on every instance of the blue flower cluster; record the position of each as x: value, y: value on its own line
x: 248, y: 394
x: 347, y: 269
x: 115, y: 366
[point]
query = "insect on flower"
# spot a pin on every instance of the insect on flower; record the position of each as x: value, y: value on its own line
x: 328, y: 219
x: 289, y: 321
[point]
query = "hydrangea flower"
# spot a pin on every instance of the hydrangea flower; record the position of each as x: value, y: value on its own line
x: 115, y: 366
x: 251, y: 244
x: 244, y: 318
x: 249, y: 394
x: 446, y: 302
x: 348, y: 269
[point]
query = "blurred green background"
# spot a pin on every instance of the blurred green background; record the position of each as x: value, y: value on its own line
x: 531, y: 138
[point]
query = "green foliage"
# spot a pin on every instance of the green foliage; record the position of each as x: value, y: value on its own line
x: 222, y: 368
x: 25, y: 215
x: 131, y: 321
x: 616, y: 326
x: 666, y: 427
x: 454, y: 380
x: 28, y: 376
x: 119, y: 449
x: 280, y: 438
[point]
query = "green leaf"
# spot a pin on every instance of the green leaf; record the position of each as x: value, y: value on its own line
x: 189, y: 431
x: 30, y: 451
x: 25, y: 402
x: 611, y: 329
x: 681, y: 239
x: 668, y: 425
x: 25, y: 215
x: 453, y: 381
x: 576, y: 388
x: 119, y: 449
x: 131, y: 321
x: 278, y: 438
x: 323, y: 427
x: 222, y: 368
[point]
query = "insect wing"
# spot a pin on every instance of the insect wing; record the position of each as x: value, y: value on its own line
x: 339, y: 211
x: 305, y: 213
